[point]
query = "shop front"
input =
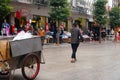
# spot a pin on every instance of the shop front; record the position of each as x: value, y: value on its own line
x: 23, y: 13
x: 38, y: 22
x: 20, y: 19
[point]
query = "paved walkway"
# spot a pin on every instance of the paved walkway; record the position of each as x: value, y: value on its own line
x: 94, y: 62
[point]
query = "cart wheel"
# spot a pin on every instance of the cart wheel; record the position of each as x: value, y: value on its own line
x: 30, y: 66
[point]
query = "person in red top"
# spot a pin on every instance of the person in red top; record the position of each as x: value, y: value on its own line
x: 27, y: 27
x: 13, y: 29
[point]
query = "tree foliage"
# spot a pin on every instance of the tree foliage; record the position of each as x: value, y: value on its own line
x: 5, y: 9
x: 99, y: 14
x: 60, y: 10
x: 114, y: 17
x: 100, y: 11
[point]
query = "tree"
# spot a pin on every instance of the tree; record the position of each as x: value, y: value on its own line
x: 115, y: 19
x: 60, y: 12
x: 99, y: 14
x: 5, y: 9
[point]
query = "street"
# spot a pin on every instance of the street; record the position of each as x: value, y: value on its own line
x: 94, y: 62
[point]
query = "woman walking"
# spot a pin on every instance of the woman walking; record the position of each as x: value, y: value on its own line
x: 75, y: 40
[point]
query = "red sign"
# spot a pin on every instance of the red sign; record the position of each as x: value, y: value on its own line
x: 17, y: 14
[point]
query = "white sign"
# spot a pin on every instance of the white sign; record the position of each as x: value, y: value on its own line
x: 24, y: 12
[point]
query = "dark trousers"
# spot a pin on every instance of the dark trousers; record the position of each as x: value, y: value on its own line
x: 54, y: 39
x: 74, y: 49
x: 60, y: 38
x: 42, y: 40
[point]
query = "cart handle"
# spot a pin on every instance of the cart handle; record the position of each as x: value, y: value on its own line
x: 1, y: 55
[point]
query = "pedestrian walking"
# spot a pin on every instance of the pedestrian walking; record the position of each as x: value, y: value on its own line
x: 75, y: 40
x: 42, y: 34
x: 5, y: 28
x: 13, y: 31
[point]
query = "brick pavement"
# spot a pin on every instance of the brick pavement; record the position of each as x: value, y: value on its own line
x: 95, y: 62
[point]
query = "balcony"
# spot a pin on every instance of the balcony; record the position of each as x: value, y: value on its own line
x: 41, y: 2
x: 24, y: 1
x: 82, y: 7
x: 36, y: 2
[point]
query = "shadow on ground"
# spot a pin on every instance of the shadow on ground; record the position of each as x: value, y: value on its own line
x: 18, y: 77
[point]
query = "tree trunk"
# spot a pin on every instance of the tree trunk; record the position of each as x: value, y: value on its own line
x: 100, y: 34
x: 58, y: 32
x: 115, y: 31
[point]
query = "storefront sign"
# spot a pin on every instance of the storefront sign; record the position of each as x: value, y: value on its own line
x: 24, y: 12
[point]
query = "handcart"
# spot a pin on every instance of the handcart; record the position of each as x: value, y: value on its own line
x: 24, y: 54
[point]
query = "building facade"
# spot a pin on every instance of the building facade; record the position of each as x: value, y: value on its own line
x: 28, y: 10
x: 82, y: 10
x: 115, y: 3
